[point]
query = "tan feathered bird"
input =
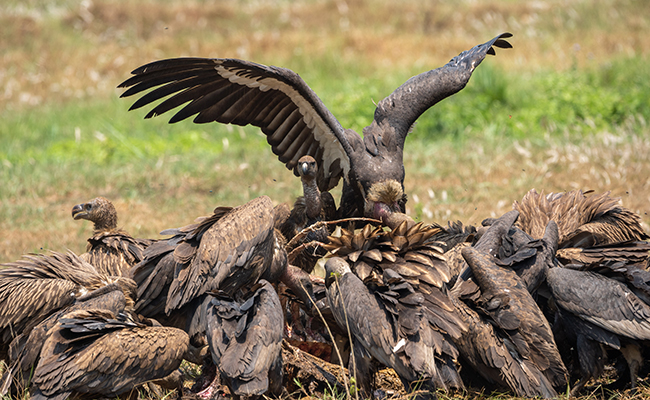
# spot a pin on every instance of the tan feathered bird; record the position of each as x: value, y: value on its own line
x: 111, y: 250
x: 591, y: 228
x: 37, y: 285
x: 98, y: 353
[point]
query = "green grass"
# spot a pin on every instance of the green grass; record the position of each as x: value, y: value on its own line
x: 67, y: 153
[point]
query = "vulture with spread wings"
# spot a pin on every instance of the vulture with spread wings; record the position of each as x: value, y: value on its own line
x: 296, y: 122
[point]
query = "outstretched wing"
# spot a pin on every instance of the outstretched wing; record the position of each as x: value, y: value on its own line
x: 405, y: 105
x: 231, y: 91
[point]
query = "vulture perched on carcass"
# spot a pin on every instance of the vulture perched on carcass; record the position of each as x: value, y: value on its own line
x: 296, y: 122
x: 509, y: 340
x: 111, y: 250
x: 391, y: 285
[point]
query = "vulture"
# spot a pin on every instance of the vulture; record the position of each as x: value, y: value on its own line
x: 111, y: 250
x: 489, y: 352
x: 308, y: 209
x: 96, y: 352
x: 596, y: 312
x: 245, y: 337
x: 228, y: 250
x: 497, y: 289
x: 591, y: 229
x: 226, y: 253
x: 25, y: 349
x: 389, y: 287
x: 296, y: 122
x: 37, y: 285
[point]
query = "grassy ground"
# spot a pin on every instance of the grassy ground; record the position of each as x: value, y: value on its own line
x: 567, y: 108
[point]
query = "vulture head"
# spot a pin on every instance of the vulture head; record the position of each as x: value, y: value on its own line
x: 385, y: 201
x: 100, y: 211
x: 335, y: 268
x: 307, y: 167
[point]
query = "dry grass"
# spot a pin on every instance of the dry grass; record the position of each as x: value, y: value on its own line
x: 65, y: 51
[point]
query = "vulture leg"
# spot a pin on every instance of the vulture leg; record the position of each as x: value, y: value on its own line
x: 632, y: 354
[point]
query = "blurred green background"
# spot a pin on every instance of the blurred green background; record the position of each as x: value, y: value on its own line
x: 567, y: 108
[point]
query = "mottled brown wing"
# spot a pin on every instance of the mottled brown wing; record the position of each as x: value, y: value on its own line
x: 602, y: 301
x: 488, y: 354
x: 33, y: 287
x: 234, y: 251
x: 92, y: 352
x: 277, y: 100
x: 26, y: 353
x: 583, y: 221
x: 113, y: 253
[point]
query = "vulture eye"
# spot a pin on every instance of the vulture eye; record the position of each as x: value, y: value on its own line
x: 88, y: 206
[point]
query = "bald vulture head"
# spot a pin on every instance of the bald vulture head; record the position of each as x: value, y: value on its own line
x: 296, y: 122
x: 99, y: 211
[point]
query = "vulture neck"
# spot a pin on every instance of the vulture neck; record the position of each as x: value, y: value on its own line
x: 106, y: 223
x: 312, y: 197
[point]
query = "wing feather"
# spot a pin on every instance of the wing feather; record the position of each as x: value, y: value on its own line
x: 242, y: 92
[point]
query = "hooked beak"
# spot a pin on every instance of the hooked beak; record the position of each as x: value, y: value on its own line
x: 78, y: 211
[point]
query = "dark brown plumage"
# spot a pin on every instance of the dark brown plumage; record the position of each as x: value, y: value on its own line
x: 236, y: 250
x: 509, y: 304
x: 111, y: 250
x: 231, y: 249
x: 245, y: 337
x: 98, y: 353
x: 396, y: 302
x: 295, y: 120
x: 503, y: 300
x: 308, y: 209
x: 490, y: 353
x: 595, y: 311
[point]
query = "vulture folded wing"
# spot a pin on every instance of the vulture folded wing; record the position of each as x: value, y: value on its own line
x: 239, y: 92
x: 246, y: 356
x: 604, y: 302
x: 507, y: 300
x: 234, y: 251
x: 488, y: 354
x: 94, y: 352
